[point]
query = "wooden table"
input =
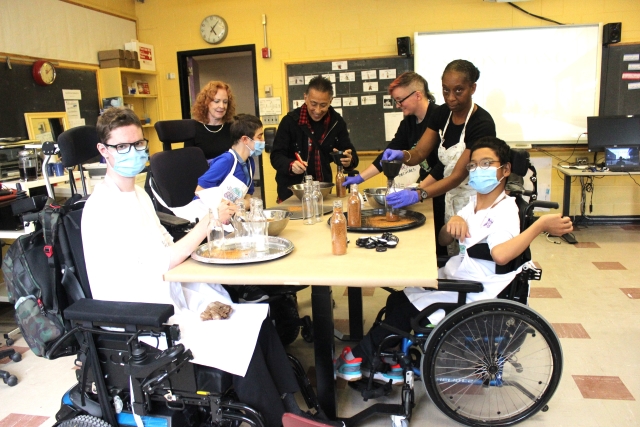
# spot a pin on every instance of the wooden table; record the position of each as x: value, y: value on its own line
x: 411, y: 263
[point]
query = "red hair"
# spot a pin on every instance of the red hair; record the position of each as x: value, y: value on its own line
x: 200, y: 109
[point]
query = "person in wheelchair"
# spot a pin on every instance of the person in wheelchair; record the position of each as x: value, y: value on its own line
x: 127, y: 251
x: 488, y: 230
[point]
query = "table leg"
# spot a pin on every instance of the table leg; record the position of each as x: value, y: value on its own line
x: 566, y: 201
x: 323, y: 344
x: 356, y: 330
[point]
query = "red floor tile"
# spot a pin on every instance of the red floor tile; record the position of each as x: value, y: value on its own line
x: 366, y: 292
x: 609, y: 266
x: 22, y: 420
x: 633, y: 293
x: 586, y: 245
x: 570, y: 330
x: 545, y: 293
x: 602, y: 387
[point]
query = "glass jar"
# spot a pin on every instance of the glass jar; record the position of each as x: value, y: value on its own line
x: 318, y: 201
x: 338, y: 230
x: 308, y: 211
x: 340, y: 190
x: 391, y: 213
x: 259, y: 227
x: 354, y: 208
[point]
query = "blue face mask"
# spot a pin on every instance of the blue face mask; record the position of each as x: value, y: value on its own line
x: 258, y: 147
x: 131, y: 163
x: 484, y: 181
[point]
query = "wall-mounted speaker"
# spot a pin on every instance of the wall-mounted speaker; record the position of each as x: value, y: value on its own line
x: 404, y: 46
x: 612, y: 33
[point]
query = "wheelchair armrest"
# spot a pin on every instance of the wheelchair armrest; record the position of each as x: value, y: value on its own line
x: 118, y: 312
x: 459, y: 285
x: 171, y: 220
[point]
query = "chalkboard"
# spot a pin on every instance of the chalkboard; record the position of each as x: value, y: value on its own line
x: 20, y: 94
x: 356, y: 81
x: 620, y: 87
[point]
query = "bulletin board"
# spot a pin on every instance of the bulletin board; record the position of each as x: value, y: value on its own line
x: 620, y: 80
x: 20, y: 94
x: 360, y: 95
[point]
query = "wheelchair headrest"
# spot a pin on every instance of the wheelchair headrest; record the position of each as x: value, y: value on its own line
x: 519, y: 162
x: 78, y: 145
x: 170, y: 131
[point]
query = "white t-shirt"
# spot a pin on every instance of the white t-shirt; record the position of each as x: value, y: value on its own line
x: 127, y: 252
x: 493, y: 226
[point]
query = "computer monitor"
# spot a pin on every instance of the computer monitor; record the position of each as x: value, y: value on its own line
x: 612, y: 131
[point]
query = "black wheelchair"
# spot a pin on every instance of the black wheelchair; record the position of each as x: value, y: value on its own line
x: 487, y: 363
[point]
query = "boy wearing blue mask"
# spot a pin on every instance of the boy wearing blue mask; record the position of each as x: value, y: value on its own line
x: 489, y: 221
x: 235, y: 167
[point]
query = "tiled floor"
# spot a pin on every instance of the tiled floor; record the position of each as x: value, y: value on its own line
x: 589, y: 293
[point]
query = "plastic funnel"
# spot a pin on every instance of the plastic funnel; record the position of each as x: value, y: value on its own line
x: 391, y: 168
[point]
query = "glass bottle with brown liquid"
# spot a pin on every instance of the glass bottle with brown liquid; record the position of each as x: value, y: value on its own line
x: 338, y: 230
x: 354, y: 208
x: 340, y: 190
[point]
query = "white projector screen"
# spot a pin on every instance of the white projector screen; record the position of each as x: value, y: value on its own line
x: 539, y: 84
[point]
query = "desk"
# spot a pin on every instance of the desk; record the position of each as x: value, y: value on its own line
x: 573, y: 173
x: 311, y: 263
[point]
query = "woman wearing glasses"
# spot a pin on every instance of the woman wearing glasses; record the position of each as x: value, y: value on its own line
x: 127, y: 251
x: 488, y: 227
x: 214, y: 108
x: 452, y: 130
x: 410, y: 93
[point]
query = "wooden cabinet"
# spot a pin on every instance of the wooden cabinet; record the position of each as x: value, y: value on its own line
x: 118, y: 82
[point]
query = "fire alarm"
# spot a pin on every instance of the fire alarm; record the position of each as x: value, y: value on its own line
x: 266, y: 52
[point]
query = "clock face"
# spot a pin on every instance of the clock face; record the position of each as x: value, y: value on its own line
x: 213, y: 29
x: 44, y: 73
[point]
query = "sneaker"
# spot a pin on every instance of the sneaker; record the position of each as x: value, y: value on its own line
x: 252, y: 294
x: 394, y: 374
x: 348, y: 369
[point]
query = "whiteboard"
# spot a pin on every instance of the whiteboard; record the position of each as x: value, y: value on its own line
x: 62, y: 31
x: 539, y: 84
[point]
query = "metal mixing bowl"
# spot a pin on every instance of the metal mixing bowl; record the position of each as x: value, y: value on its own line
x: 376, y: 196
x: 325, y: 189
x: 278, y: 220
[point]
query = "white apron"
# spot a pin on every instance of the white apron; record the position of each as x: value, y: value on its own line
x: 463, y: 267
x: 456, y: 198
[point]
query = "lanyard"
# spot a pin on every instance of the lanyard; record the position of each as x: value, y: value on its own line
x: 246, y: 166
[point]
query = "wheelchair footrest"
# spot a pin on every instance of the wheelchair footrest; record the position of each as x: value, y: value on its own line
x: 376, y: 390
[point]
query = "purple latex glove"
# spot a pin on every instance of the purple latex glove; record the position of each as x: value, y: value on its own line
x: 353, y: 180
x: 403, y: 198
x: 390, y: 154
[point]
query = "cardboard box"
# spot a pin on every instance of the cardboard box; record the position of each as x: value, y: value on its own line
x: 130, y: 63
x: 111, y: 54
x: 113, y: 63
x: 128, y: 54
x: 136, y: 64
x: 146, y: 55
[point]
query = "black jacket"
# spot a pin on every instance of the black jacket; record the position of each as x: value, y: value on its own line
x: 292, y: 137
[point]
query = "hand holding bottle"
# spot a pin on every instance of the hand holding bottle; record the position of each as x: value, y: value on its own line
x: 402, y: 198
x: 358, y: 179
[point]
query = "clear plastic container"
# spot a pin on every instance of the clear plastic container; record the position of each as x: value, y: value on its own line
x: 318, y: 201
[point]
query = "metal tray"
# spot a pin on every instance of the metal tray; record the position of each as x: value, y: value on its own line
x: 277, y: 248
x: 417, y: 219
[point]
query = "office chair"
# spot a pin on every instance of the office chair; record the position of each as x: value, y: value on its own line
x: 77, y: 146
x: 9, y: 379
x: 172, y: 131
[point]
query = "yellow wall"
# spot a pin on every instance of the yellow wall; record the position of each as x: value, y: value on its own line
x: 303, y: 30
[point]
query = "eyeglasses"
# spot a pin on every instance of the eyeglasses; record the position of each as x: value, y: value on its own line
x: 484, y: 164
x: 125, y: 148
x: 400, y: 101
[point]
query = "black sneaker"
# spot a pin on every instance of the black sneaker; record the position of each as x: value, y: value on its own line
x: 252, y: 294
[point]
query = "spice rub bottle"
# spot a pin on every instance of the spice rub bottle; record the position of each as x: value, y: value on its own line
x: 338, y: 230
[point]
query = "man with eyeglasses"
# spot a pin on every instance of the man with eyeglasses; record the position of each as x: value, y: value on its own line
x: 488, y: 229
x: 306, y: 138
x: 410, y: 93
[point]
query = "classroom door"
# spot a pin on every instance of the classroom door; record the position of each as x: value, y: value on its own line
x: 234, y: 65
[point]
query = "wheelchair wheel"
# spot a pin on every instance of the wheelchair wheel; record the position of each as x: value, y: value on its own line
x: 84, y: 421
x: 284, y: 313
x: 492, y: 363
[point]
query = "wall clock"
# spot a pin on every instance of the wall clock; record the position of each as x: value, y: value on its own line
x: 44, y: 73
x: 214, y: 29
